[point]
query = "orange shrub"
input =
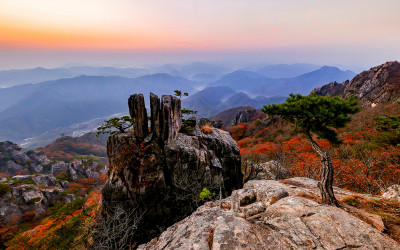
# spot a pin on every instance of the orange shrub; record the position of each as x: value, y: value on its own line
x: 206, y: 129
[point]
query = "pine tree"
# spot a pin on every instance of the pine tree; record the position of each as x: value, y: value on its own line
x: 317, y: 115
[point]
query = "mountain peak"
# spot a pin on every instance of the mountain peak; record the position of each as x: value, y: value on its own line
x: 380, y: 84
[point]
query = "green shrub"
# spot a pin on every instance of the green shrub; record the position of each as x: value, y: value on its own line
x: 34, y: 200
x: 389, y: 127
x: 351, y: 200
x: 16, y: 182
x: 63, y: 176
x: 29, y: 182
x: 47, y: 167
x: 4, y: 188
x: 206, y: 194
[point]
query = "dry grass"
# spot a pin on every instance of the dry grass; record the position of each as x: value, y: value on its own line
x: 274, y: 200
x: 387, y: 210
x: 206, y: 129
x: 351, y: 200
x: 210, y: 237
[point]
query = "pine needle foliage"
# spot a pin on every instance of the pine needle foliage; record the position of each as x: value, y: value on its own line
x: 316, y: 114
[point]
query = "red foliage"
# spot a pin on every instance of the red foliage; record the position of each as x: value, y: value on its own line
x: 5, y: 175
x: 359, y: 164
x: 28, y: 216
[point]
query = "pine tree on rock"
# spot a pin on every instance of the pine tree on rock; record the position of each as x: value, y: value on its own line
x: 317, y: 115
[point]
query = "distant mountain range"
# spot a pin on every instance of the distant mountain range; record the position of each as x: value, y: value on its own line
x: 258, y: 84
x: 44, y: 110
x: 286, y: 71
x: 236, y: 88
x: 196, y: 71
x: 29, y: 110
x: 213, y: 100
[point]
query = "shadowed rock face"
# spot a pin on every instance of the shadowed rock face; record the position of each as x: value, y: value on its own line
x: 162, y: 171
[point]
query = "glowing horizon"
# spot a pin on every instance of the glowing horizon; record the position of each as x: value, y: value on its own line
x: 191, y: 26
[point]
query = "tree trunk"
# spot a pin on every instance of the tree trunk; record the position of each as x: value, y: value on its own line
x: 328, y: 197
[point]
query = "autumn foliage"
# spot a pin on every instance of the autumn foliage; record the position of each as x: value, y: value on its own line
x: 61, y: 229
x: 363, y: 162
x: 67, y: 149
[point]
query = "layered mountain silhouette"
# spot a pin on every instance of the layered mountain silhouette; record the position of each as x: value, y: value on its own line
x: 286, y: 71
x: 197, y: 71
x: 30, y: 110
x: 258, y: 84
x: 42, y: 109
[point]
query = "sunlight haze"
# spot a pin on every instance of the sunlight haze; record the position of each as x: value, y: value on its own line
x: 122, y: 31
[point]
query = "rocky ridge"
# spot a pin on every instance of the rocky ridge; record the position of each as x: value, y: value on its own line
x: 379, y: 84
x: 268, y: 214
x: 162, y: 171
x: 234, y: 116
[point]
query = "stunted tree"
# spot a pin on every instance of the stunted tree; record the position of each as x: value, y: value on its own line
x: 317, y: 115
x: 179, y: 94
x: 120, y: 124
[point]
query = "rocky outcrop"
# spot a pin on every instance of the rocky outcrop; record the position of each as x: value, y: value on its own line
x: 331, y: 89
x: 163, y: 171
x: 392, y: 193
x: 35, y: 183
x: 268, y: 214
x: 27, y: 198
x: 374, y: 86
x: 271, y: 170
x: 243, y: 116
x: 17, y: 162
x: 14, y: 160
x: 234, y: 116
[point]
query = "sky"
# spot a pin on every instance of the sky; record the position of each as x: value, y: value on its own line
x: 51, y: 33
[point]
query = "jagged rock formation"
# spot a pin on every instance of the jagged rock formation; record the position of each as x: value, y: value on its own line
x: 331, y: 89
x: 268, y: 214
x: 163, y: 171
x: 380, y: 84
x: 234, y: 116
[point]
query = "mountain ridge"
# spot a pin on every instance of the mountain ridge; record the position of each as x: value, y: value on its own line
x: 380, y: 84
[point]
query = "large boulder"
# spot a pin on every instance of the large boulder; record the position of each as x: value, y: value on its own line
x: 283, y: 221
x: 163, y: 171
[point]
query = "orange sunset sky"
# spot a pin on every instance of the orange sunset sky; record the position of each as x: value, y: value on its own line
x: 127, y: 32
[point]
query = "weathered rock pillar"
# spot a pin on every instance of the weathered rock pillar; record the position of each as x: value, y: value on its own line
x: 171, y: 117
x: 155, y: 115
x: 138, y: 112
